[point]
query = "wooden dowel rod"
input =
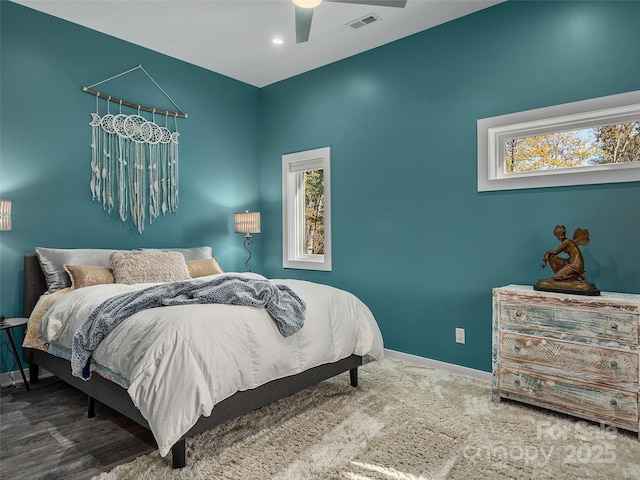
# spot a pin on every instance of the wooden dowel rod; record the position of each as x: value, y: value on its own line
x: 134, y: 105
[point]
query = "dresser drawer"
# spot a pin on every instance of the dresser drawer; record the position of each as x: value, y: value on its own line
x: 589, y: 360
x: 611, y: 323
x: 582, y: 399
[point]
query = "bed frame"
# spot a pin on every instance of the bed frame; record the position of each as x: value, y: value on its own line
x: 117, y: 398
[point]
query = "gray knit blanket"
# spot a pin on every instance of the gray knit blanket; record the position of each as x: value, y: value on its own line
x: 284, y: 306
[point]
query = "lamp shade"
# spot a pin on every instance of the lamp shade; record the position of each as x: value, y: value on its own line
x: 5, y: 214
x: 306, y: 3
x: 247, y: 222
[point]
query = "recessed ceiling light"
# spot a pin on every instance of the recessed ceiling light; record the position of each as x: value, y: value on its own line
x: 277, y: 41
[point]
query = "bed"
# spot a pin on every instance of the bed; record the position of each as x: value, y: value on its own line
x: 212, y: 387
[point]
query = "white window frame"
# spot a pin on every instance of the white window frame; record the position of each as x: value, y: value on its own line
x: 492, y: 133
x: 293, y: 209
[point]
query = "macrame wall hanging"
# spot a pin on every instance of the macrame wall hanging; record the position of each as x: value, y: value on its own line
x: 134, y: 160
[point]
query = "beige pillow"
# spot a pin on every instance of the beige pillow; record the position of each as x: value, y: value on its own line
x: 203, y: 267
x: 148, y: 266
x: 193, y: 253
x: 52, y: 261
x: 85, y: 276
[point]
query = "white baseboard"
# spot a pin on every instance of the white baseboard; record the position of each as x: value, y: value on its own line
x: 449, y: 367
x: 5, y: 378
x: 10, y: 378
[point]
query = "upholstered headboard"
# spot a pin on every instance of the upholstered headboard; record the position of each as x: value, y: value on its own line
x: 34, y: 283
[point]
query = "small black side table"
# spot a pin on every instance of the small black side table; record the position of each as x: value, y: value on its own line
x: 7, y: 325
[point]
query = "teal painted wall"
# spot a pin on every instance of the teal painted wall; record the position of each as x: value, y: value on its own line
x: 411, y: 235
x: 45, y: 150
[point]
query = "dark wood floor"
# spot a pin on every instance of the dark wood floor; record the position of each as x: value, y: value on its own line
x: 45, y: 434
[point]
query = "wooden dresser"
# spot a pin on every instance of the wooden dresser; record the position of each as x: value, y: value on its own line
x: 570, y: 353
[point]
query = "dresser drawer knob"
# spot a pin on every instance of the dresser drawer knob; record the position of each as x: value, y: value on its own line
x: 614, y: 326
x: 519, y: 313
x: 614, y: 364
x: 516, y: 383
x: 517, y: 348
x: 613, y: 402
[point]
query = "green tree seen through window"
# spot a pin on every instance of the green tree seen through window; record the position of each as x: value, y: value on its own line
x: 617, y: 143
x: 314, y: 212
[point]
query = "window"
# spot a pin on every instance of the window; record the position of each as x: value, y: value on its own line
x: 306, y: 209
x: 592, y: 141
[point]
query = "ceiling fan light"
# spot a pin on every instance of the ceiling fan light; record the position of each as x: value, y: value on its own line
x: 306, y: 3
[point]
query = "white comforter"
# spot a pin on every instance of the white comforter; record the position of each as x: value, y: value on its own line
x: 182, y: 360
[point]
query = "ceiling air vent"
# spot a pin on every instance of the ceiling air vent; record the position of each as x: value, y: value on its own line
x: 364, y: 21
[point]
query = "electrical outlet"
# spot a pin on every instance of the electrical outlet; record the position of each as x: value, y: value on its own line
x: 459, y: 335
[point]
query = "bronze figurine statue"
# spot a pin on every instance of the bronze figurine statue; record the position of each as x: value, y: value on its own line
x: 568, y: 273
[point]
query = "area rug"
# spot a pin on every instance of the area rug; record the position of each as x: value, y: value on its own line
x: 404, y: 422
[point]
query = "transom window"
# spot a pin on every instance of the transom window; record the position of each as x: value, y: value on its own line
x: 605, y: 145
x: 593, y: 141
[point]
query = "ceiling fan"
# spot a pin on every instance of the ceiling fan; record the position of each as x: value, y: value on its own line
x: 304, y: 12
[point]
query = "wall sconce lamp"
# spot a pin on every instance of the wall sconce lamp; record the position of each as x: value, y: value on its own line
x: 247, y: 222
x: 5, y: 214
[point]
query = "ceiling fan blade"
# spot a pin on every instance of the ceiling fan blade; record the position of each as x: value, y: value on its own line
x: 376, y: 3
x: 303, y: 24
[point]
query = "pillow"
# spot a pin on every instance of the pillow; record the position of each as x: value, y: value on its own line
x: 148, y: 266
x: 194, y: 253
x: 203, y: 267
x: 85, y: 276
x: 53, y: 259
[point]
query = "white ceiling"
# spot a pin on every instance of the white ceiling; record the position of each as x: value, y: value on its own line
x: 234, y: 37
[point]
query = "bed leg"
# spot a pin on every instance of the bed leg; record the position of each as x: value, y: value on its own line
x: 353, y: 375
x: 91, y: 410
x: 33, y: 372
x: 178, y: 454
